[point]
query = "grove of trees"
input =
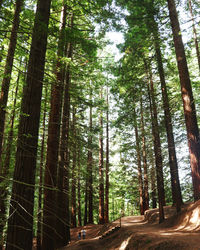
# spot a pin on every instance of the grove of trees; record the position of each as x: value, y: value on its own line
x: 87, y: 138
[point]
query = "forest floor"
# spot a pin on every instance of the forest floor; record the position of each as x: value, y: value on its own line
x: 144, y: 232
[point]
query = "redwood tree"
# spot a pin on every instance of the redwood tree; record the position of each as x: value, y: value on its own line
x: 188, y: 100
x: 20, y: 222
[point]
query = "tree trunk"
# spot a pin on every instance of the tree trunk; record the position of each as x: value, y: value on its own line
x: 5, y: 168
x: 157, y: 150
x: 49, y: 240
x: 86, y: 201
x: 101, y: 172
x: 140, y: 180
x: 41, y: 181
x: 188, y: 100
x: 20, y: 223
x: 107, y: 165
x: 8, y: 70
x: 90, y: 172
x: 79, y: 189
x: 73, y: 188
x: 175, y: 184
x: 146, y: 188
x: 194, y: 33
x: 64, y: 164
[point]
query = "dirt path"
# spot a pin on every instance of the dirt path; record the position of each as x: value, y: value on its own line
x: 136, y: 233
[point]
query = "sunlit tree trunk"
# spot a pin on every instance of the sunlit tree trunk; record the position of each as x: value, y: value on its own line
x: 144, y: 156
x: 188, y: 100
x: 20, y: 223
x: 49, y: 240
x: 8, y: 70
x: 140, y: 180
x: 101, y: 172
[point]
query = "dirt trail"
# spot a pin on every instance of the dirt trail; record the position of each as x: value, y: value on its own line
x: 137, y: 233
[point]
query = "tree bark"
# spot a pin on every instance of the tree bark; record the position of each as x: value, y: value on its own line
x: 107, y: 164
x: 188, y: 100
x: 157, y: 150
x: 175, y: 183
x: 74, y: 177
x: 144, y: 156
x: 5, y: 167
x: 64, y: 164
x: 79, y: 189
x: 101, y: 172
x: 140, y: 180
x: 8, y: 70
x: 20, y: 223
x: 90, y: 170
x: 50, y: 238
x: 41, y: 181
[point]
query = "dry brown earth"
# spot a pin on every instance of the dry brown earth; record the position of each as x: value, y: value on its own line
x: 139, y: 232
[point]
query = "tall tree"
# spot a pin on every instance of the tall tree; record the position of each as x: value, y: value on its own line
x: 144, y: 156
x: 64, y: 163
x: 101, y: 172
x: 8, y: 70
x: 41, y: 175
x: 107, y: 162
x: 5, y: 166
x: 140, y: 179
x: 90, y: 172
x: 49, y: 216
x: 188, y: 100
x: 157, y: 149
x: 175, y: 183
x: 74, y: 172
x: 20, y: 223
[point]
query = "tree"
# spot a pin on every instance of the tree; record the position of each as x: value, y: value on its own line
x: 8, y: 70
x: 157, y: 149
x: 50, y: 181
x: 188, y: 100
x: 101, y: 172
x: 20, y: 222
x: 107, y: 163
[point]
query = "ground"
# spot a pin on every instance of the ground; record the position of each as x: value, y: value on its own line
x: 143, y: 232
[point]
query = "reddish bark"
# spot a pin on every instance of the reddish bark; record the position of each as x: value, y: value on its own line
x: 157, y: 150
x: 175, y: 183
x: 107, y: 165
x: 50, y: 207
x: 90, y: 172
x: 188, y: 100
x: 140, y: 180
x: 146, y: 188
x: 101, y: 172
x: 20, y: 223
